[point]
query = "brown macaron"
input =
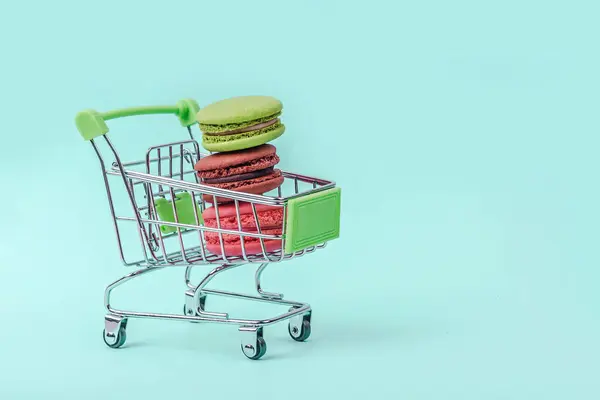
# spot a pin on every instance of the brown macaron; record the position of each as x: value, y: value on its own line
x: 249, y: 171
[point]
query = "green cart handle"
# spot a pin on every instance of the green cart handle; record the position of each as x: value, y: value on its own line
x: 91, y: 123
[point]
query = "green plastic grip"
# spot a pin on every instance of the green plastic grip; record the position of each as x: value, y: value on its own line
x: 91, y: 123
x: 312, y: 219
x: 185, y: 211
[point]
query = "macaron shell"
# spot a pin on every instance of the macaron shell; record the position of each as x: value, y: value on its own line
x: 239, y: 109
x: 230, y: 211
x: 251, y: 187
x: 242, y: 141
x: 230, y: 159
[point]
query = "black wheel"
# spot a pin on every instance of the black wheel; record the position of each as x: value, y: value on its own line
x: 259, y: 350
x: 300, y: 334
x: 120, y: 339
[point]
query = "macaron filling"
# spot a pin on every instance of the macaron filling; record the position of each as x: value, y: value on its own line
x: 238, y: 177
x: 215, y: 129
x: 248, y: 128
x: 241, y: 183
x: 217, y: 138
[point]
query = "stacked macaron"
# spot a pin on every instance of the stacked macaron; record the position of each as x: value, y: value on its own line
x: 240, y: 123
x: 237, y: 131
x: 270, y: 220
x: 250, y: 171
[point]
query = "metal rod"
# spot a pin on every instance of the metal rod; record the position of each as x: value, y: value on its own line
x: 176, y: 216
x: 188, y: 273
x: 159, y: 166
x: 283, y: 227
x: 137, y: 182
x: 214, y: 191
x: 214, y: 259
x: 181, y: 161
x: 262, y: 293
x: 262, y: 242
x: 239, y: 223
x: 255, y: 298
x: 110, y: 202
x: 197, y: 219
x: 204, y: 228
x: 164, y: 192
x: 218, y: 220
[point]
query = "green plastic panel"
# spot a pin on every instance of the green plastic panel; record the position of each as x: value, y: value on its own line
x: 185, y: 211
x: 91, y: 123
x: 312, y: 220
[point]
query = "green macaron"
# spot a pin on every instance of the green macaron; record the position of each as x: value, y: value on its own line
x: 240, y: 122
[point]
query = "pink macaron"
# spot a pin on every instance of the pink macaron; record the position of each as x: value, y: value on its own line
x: 270, y: 219
x: 248, y: 171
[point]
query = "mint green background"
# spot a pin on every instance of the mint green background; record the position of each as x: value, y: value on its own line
x: 464, y: 135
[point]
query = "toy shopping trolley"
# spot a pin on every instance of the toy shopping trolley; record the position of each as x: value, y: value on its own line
x: 167, y: 202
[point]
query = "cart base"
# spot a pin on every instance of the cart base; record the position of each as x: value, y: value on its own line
x: 253, y: 344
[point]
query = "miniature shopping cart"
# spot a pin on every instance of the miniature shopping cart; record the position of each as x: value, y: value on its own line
x: 163, y: 199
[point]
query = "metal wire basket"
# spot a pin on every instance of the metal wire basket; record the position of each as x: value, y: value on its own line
x: 166, y: 204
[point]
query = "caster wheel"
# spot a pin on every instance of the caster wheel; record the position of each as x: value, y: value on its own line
x: 300, y: 332
x: 257, y: 351
x: 113, y: 341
